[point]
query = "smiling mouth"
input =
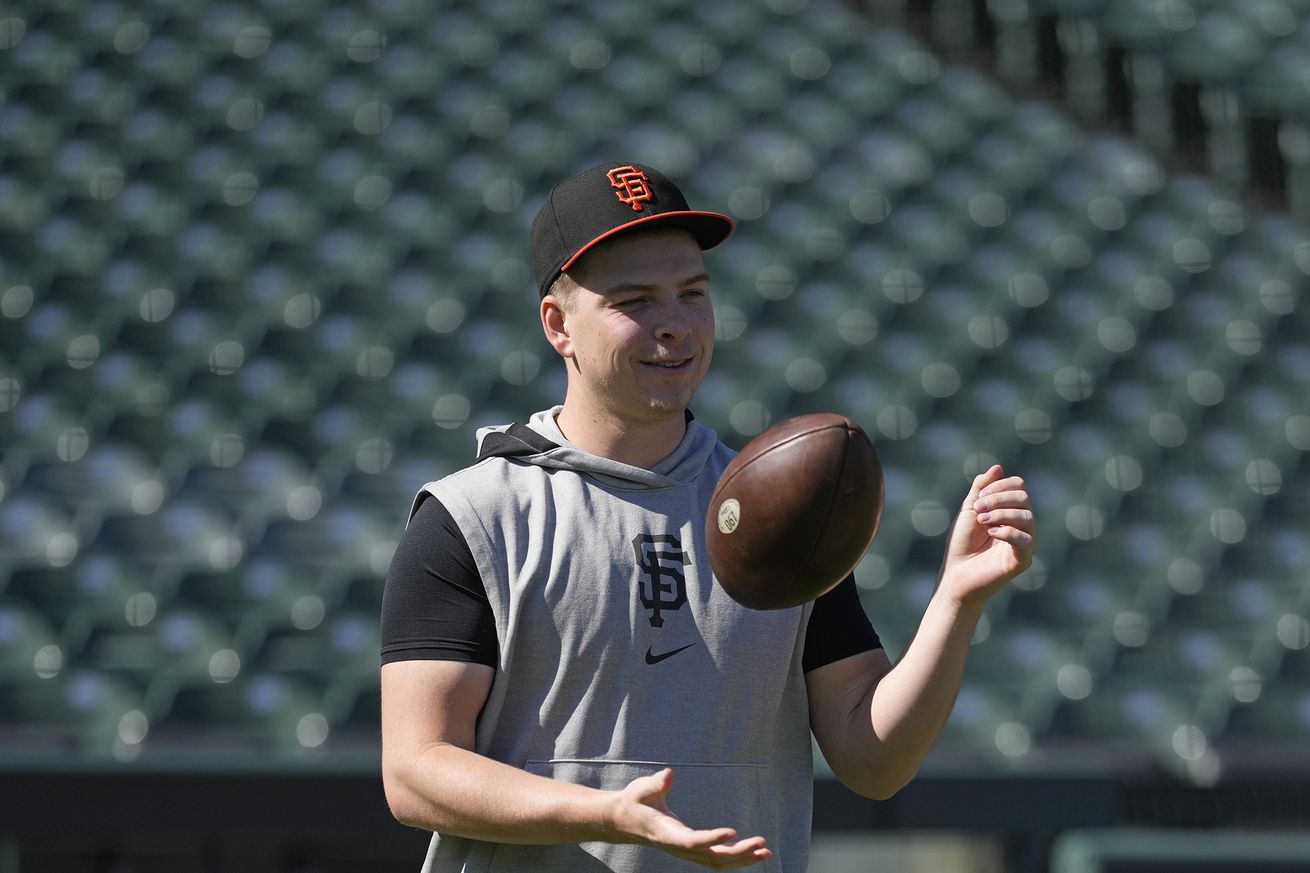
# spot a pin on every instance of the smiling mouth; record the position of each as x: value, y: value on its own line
x: 669, y: 366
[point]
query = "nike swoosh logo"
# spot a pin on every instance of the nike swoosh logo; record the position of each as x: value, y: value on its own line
x: 652, y: 658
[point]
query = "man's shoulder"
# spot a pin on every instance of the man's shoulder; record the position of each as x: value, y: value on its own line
x: 481, y: 487
x: 481, y: 476
x: 499, y: 449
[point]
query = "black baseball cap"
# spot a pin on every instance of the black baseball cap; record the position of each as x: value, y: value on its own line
x: 607, y: 200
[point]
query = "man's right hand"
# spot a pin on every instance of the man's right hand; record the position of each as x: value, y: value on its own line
x: 435, y: 781
x: 641, y: 812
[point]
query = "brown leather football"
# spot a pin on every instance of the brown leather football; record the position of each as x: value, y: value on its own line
x: 795, y: 511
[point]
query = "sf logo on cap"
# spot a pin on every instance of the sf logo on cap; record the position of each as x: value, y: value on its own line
x: 630, y: 185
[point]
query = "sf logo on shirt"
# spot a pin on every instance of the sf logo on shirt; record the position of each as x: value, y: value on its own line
x: 662, y: 584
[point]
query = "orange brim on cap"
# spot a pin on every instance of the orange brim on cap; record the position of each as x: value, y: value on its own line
x: 709, y: 228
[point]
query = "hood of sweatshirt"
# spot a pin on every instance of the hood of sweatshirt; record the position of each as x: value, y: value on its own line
x: 540, y: 442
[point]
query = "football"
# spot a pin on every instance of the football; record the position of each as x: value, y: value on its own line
x: 795, y: 511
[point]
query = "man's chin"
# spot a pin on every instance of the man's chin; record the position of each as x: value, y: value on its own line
x: 667, y: 407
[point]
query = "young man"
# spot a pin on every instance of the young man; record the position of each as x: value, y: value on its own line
x: 555, y: 651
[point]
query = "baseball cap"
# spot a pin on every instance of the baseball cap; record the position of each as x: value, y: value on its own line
x: 607, y: 200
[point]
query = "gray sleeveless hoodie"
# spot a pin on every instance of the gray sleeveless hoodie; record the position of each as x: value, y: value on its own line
x: 618, y: 654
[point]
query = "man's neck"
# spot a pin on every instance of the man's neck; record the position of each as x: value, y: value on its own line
x: 642, y: 444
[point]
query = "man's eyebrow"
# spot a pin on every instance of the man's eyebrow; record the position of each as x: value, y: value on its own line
x: 698, y: 279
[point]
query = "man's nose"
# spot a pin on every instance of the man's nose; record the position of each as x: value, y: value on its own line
x: 673, y: 324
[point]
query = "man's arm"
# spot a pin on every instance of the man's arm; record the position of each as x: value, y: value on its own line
x: 874, y: 722
x: 434, y: 780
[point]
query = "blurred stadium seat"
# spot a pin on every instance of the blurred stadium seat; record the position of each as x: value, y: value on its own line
x: 74, y: 713
x: 262, y: 279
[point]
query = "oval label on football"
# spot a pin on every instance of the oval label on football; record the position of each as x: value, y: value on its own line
x: 729, y: 515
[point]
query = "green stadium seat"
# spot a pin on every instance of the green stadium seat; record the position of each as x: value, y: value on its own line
x: 407, y: 71
x: 984, y: 723
x: 94, y: 587
x: 1260, y: 407
x: 181, y: 533
x: 263, y: 484
x: 1278, y: 720
x: 340, y: 537
x: 200, y: 429
x: 640, y: 79
x: 1249, y: 609
x: 1274, y: 87
x: 361, y: 593
x: 896, y: 608
x: 249, y: 599
x: 78, y: 711
x: 245, y: 445
x: 864, y: 88
x: 250, y: 714
x: 170, y: 62
x: 108, y: 478
x: 1137, y: 24
x: 935, y: 123
x: 102, y: 385
x: 1132, y: 715
x: 415, y: 302
x: 353, y: 709
x: 345, y: 644
x: 35, y: 530
x: 1084, y: 605
x: 1077, y: 452
x: 824, y: 121
x: 150, y: 133
x: 1195, y: 660
x: 26, y: 640
x: 1288, y: 505
x: 1218, y: 49
x: 390, y: 490
x: 893, y: 158
x: 722, y: 23
x: 1020, y: 665
x: 49, y: 328
x: 188, y: 341
x: 152, y: 649
x: 39, y: 424
x: 27, y: 132
x: 267, y: 385
x: 928, y: 237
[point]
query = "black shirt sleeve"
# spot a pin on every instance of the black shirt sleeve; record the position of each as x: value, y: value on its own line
x: 838, y: 628
x: 434, y: 603
x: 435, y: 608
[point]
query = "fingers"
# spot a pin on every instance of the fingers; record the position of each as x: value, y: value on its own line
x: 1003, y: 500
x: 1001, y: 485
x: 1003, y: 505
x: 740, y: 854
x: 981, y: 483
x: 653, y: 786
x: 710, y: 847
x: 1020, y: 518
x: 730, y: 856
x: 715, y: 842
x: 1022, y: 540
x: 672, y: 833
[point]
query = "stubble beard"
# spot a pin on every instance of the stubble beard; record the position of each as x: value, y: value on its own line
x: 615, y: 395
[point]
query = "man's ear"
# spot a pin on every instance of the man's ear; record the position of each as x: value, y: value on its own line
x: 555, y: 323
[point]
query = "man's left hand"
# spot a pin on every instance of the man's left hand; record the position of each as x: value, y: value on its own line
x: 993, y: 538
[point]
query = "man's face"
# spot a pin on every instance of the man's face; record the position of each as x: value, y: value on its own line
x: 641, y: 326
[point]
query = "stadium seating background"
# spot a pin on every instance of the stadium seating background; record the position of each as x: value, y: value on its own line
x: 263, y: 273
